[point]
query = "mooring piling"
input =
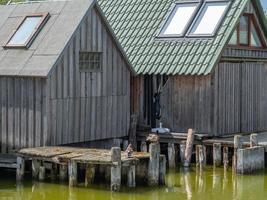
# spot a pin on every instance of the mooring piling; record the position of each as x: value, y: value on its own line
x: 171, y: 156
x: 63, y: 172
x: 153, y: 169
x: 20, y: 168
x: 217, y: 154
x: 189, y: 147
x: 225, y: 157
x: 72, y: 166
x: 131, y: 176
x: 89, y: 174
x: 254, y: 140
x: 115, y: 169
x: 35, y: 168
x: 143, y: 146
x: 237, y: 145
x: 41, y: 173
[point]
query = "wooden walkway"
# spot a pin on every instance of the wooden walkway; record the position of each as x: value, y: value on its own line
x: 63, y: 161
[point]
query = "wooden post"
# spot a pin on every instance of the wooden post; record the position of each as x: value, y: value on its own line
x: 162, y: 170
x: 153, y: 170
x: 143, y: 146
x: 41, y: 173
x: 63, y: 172
x: 189, y: 147
x: 131, y: 176
x: 35, y: 168
x: 254, y: 140
x: 202, y: 156
x: 132, y: 132
x: 20, y: 168
x: 89, y: 174
x: 72, y: 167
x: 197, y: 155
x: 182, y: 151
x: 217, y: 154
x: 225, y: 157
x: 125, y: 144
x: 171, y: 155
x: 115, y: 169
x: 237, y: 145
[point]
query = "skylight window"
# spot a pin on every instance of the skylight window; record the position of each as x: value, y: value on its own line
x: 209, y: 18
x: 27, y: 30
x: 195, y: 19
x: 179, y: 19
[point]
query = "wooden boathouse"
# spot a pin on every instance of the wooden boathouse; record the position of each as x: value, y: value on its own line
x: 63, y: 76
x: 203, y: 62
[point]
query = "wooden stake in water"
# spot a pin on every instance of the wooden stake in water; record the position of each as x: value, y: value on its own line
x: 189, y: 147
x: 20, y: 168
x: 35, y: 168
x: 115, y: 169
x: 237, y: 145
x: 171, y: 156
x: 89, y: 174
x: 225, y: 157
x: 217, y: 154
x: 153, y: 170
x: 72, y: 166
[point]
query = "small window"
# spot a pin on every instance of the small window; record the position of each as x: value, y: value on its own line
x: 255, y: 38
x: 247, y: 33
x: 90, y: 61
x: 209, y: 18
x: 243, y: 30
x: 179, y: 19
x: 27, y: 30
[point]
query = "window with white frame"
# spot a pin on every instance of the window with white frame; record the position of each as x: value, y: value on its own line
x: 195, y: 19
x: 179, y: 19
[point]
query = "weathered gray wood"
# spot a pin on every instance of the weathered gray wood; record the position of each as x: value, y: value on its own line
x: 202, y: 157
x: 20, y: 168
x: 72, y: 169
x: 115, y: 170
x: 237, y: 145
x: 143, y: 146
x: 250, y: 160
x: 162, y: 170
x: 171, y: 155
x: 217, y: 154
x: 153, y: 169
x: 132, y: 133
x: 125, y: 144
x: 89, y: 174
x: 254, y: 140
x: 131, y: 177
x: 35, y: 168
x: 182, y: 151
x: 189, y: 147
x: 63, y: 172
x: 42, y: 173
x: 225, y: 157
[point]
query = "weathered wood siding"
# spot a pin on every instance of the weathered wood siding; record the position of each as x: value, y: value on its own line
x: 186, y: 103
x: 23, y: 119
x: 240, y: 98
x: 89, y: 106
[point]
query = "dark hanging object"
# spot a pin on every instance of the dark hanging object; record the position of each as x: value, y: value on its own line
x: 157, y: 105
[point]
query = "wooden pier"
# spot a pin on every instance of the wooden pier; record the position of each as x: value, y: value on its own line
x: 245, y: 152
x: 64, y: 162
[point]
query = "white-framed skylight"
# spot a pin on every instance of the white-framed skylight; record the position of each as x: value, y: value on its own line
x: 27, y: 30
x: 209, y: 18
x: 200, y: 18
x: 179, y: 19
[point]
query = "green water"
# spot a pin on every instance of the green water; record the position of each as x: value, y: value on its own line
x: 211, y: 184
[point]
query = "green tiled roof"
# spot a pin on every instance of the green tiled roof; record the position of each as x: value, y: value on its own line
x: 137, y: 22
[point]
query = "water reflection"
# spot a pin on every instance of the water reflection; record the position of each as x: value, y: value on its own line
x: 182, y: 184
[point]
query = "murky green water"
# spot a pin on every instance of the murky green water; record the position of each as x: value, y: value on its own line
x: 211, y: 184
